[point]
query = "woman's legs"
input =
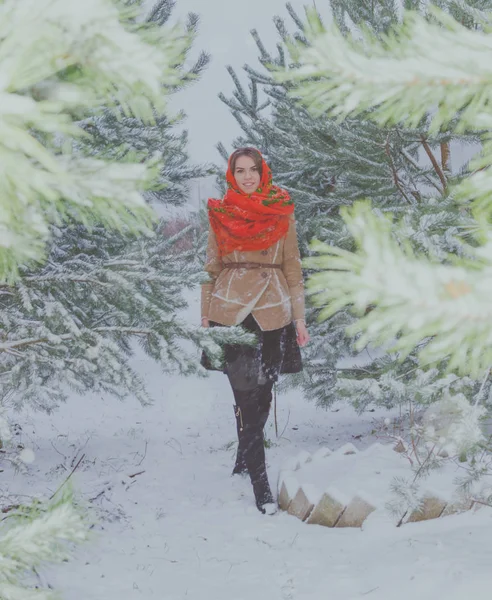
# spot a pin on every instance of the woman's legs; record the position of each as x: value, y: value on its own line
x: 240, y: 464
x: 265, y: 400
x: 251, y: 371
x: 252, y: 408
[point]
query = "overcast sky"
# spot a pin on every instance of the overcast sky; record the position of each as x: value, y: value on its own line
x: 225, y: 34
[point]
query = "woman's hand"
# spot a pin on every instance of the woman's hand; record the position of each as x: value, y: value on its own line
x: 205, y: 322
x: 302, y: 333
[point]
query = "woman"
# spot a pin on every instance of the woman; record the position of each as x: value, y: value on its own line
x: 255, y: 280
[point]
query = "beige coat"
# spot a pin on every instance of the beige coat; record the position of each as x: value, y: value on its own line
x: 274, y: 296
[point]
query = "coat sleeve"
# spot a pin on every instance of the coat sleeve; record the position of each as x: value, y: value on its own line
x: 213, y: 266
x: 291, y: 267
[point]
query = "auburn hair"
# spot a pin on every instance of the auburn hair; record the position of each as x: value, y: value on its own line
x: 247, y: 151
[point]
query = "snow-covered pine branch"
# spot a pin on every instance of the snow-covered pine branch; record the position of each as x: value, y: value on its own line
x: 60, y: 59
x: 32, y: 536
x: 74, y: 323
x: 419, y: 65
x: 424, y: 67
x: 406, y: 298
x: 431, y: 66
x: 69, y: 321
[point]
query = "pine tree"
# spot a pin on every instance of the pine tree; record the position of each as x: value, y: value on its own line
x: 327, y: 164
x: 442, y: 307
x: 81, y: 60
x: 74, y: 322
x: 68, y: 322
x: 60, y: 60
x: 117, y: 135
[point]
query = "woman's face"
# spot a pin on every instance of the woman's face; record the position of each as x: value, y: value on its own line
x: 246, y: 174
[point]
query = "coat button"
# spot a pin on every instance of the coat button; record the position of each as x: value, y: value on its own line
x: 264, y: 252
x: 264, y: 274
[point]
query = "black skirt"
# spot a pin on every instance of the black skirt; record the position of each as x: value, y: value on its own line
x: 276, y: 352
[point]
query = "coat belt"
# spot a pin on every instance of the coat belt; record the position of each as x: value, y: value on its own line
x: 251, y: 265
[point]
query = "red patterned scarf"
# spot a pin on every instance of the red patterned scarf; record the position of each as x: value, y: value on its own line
x: 254, y: 221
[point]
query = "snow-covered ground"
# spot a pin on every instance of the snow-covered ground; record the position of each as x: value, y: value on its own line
x: 173, y: 524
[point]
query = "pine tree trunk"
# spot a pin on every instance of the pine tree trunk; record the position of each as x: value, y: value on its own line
x: 445, y: 156
x: 439, y: 171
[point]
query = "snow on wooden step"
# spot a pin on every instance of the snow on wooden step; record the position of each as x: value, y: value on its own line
x: 303, y: 502
x: 457, y: 506
x: 360, y: 484
x: 357, y: 511
x: 346, y: 449
x: 289, y: 464
x: 321, y: 453
x: 288, y: 490
x: 432, y: 508
x: 400, y: 447
x: 301, y: 459
x: 379, y: 451
x: 477, y: 506
x: 329, y: 508
x: 379, y: 521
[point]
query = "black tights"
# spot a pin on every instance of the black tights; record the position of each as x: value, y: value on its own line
x: 251, y: 410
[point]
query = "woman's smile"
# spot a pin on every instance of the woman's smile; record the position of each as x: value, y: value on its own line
x: 247, y: 174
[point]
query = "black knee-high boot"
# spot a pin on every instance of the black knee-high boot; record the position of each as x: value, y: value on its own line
x: 240, y: 467
x: 265, y: 398
x: 252, y: 416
